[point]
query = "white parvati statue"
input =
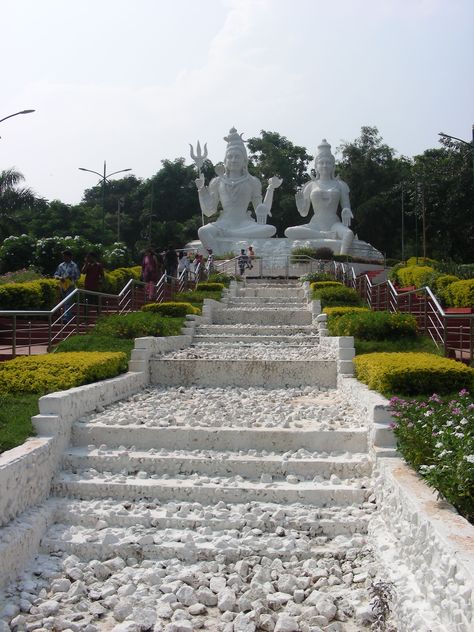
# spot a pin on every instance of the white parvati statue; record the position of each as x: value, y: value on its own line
x: 325, y: 192
x: 235, y: 188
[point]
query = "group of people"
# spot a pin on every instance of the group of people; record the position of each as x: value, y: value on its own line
x: 68, y: 274
x: 244, y: 260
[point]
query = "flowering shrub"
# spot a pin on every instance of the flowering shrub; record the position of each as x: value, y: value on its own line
x: 48, y: 251
x: 436, y: 437
x: 116, y: 256
x: 17, y: 252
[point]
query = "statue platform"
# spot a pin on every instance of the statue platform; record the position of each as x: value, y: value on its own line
x: 283, y: 247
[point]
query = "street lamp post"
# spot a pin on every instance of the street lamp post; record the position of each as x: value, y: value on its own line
x: 464, y: 142
x: 105, y: 178
x: 16, y: 114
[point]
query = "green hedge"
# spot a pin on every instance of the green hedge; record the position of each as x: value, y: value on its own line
x: 134, y: 325
x: 54, y: 372
x: 320, y: 285
x: 412, y: 373
x: 418, y: 276
x: 210, y: 286
x: 460, y: 293
x: 368, y: 325
x: 171, y: 308
x: 40, y: 294
x: 333, y: 296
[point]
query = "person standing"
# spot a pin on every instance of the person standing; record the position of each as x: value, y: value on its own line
x: 150, y: 272
x: 243, y: 262
x: 171, y: 263
x: 94, y: 278
x: 210, y: 262
x: 67, y: 274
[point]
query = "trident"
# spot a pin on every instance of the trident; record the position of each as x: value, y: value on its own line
x: 199, y: 159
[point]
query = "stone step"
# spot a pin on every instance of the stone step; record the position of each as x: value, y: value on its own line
x: 191, y: 545
x: 283, y: 301
x: 255, y: 338
x: 312, y: 521
x: 219, y: 438
x: 214, y: 463
x: 242, y: 373
x: 260, y: 330
x: 230, y: 490
x: 269, y: 316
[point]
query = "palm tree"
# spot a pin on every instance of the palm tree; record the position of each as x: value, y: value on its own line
x: 13, y: 199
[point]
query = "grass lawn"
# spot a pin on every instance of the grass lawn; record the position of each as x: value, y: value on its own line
x: 15, y: 419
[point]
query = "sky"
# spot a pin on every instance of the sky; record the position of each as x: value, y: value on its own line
x: 133, y: 83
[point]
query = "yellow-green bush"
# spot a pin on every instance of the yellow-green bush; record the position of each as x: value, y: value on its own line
x: 171, y: 308
x: 412, y: 373
x: 415, y: 275
x: 319, y: 285
x: 460, y: 293
x: 337, y: 312
x: 368, y: 325
x: 40, y: 294
x: 336, y: 295
x: 441, y: 286
x: 210, y: 286
x: 421, y: 261
x: 53, y: 372
x: 116, y: 280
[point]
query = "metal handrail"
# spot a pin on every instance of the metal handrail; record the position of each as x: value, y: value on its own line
x: 431, y: 317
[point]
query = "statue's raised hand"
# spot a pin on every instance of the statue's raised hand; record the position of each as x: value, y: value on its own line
x: 274, y: 182
x: 200, y: 182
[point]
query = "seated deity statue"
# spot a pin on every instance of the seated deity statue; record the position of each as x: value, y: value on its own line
x: 235, y: 188
x: 325, y: 192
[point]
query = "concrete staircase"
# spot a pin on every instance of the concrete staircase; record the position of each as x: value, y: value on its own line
x: 135, y: 461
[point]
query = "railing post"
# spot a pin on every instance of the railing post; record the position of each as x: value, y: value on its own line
x: 50, y: 333
x: 78, y: 307
x: 14, y: 337
x: 29, y: 337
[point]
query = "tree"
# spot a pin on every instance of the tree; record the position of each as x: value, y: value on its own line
x: 374, y: 176
x: 13, y: 199
x: 272, y: 154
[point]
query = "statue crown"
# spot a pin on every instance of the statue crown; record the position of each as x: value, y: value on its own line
x: 235, y: 141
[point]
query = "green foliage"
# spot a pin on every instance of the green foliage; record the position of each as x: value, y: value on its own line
x: 320, y: 285
x: 116, y: 256
x: 20, y: 276
x: 17, y: 252
x: 54, y: 372
x: 412, y: 373
x: 136, y: 325
x: 210, y: 286
x: 368, y: 325
x: 436, y: 437
x: 48, y: 251
x: 419, y: 276
x: 196, y: 297
x: 423, y: 344
x: 460, y: 293
x: 311, y: 277
x: 421, y: 261
x: 94, y: 342
x: 441, y: 286
x: 334, y: 296
x: 337, y: 312
x: 15, y: 418
x: 171, y: 308
x: 115, y: 281
x: 40, y: 294
x: 221, y: 277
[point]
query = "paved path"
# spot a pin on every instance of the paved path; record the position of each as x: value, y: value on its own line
x: 212, y: 505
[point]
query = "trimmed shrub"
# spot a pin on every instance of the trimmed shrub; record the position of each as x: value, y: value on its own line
x: 332, y: 296
x: 415, y: 275
x: 319, y: 285
x: 41, y: 294
x: 221, y: 277
x: 210, y: 287
x: 441, y: 286
x: 412, y: 373
x: 171, y: 308
x: 115, y: 281
x: 461, y: 293
x: 368, y: 325
x: 337, y: 312
x: 134, y: 325
x: 54, y: 372
x: 421, y: 261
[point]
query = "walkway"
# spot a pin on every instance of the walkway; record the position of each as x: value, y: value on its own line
x: 233, y: 495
